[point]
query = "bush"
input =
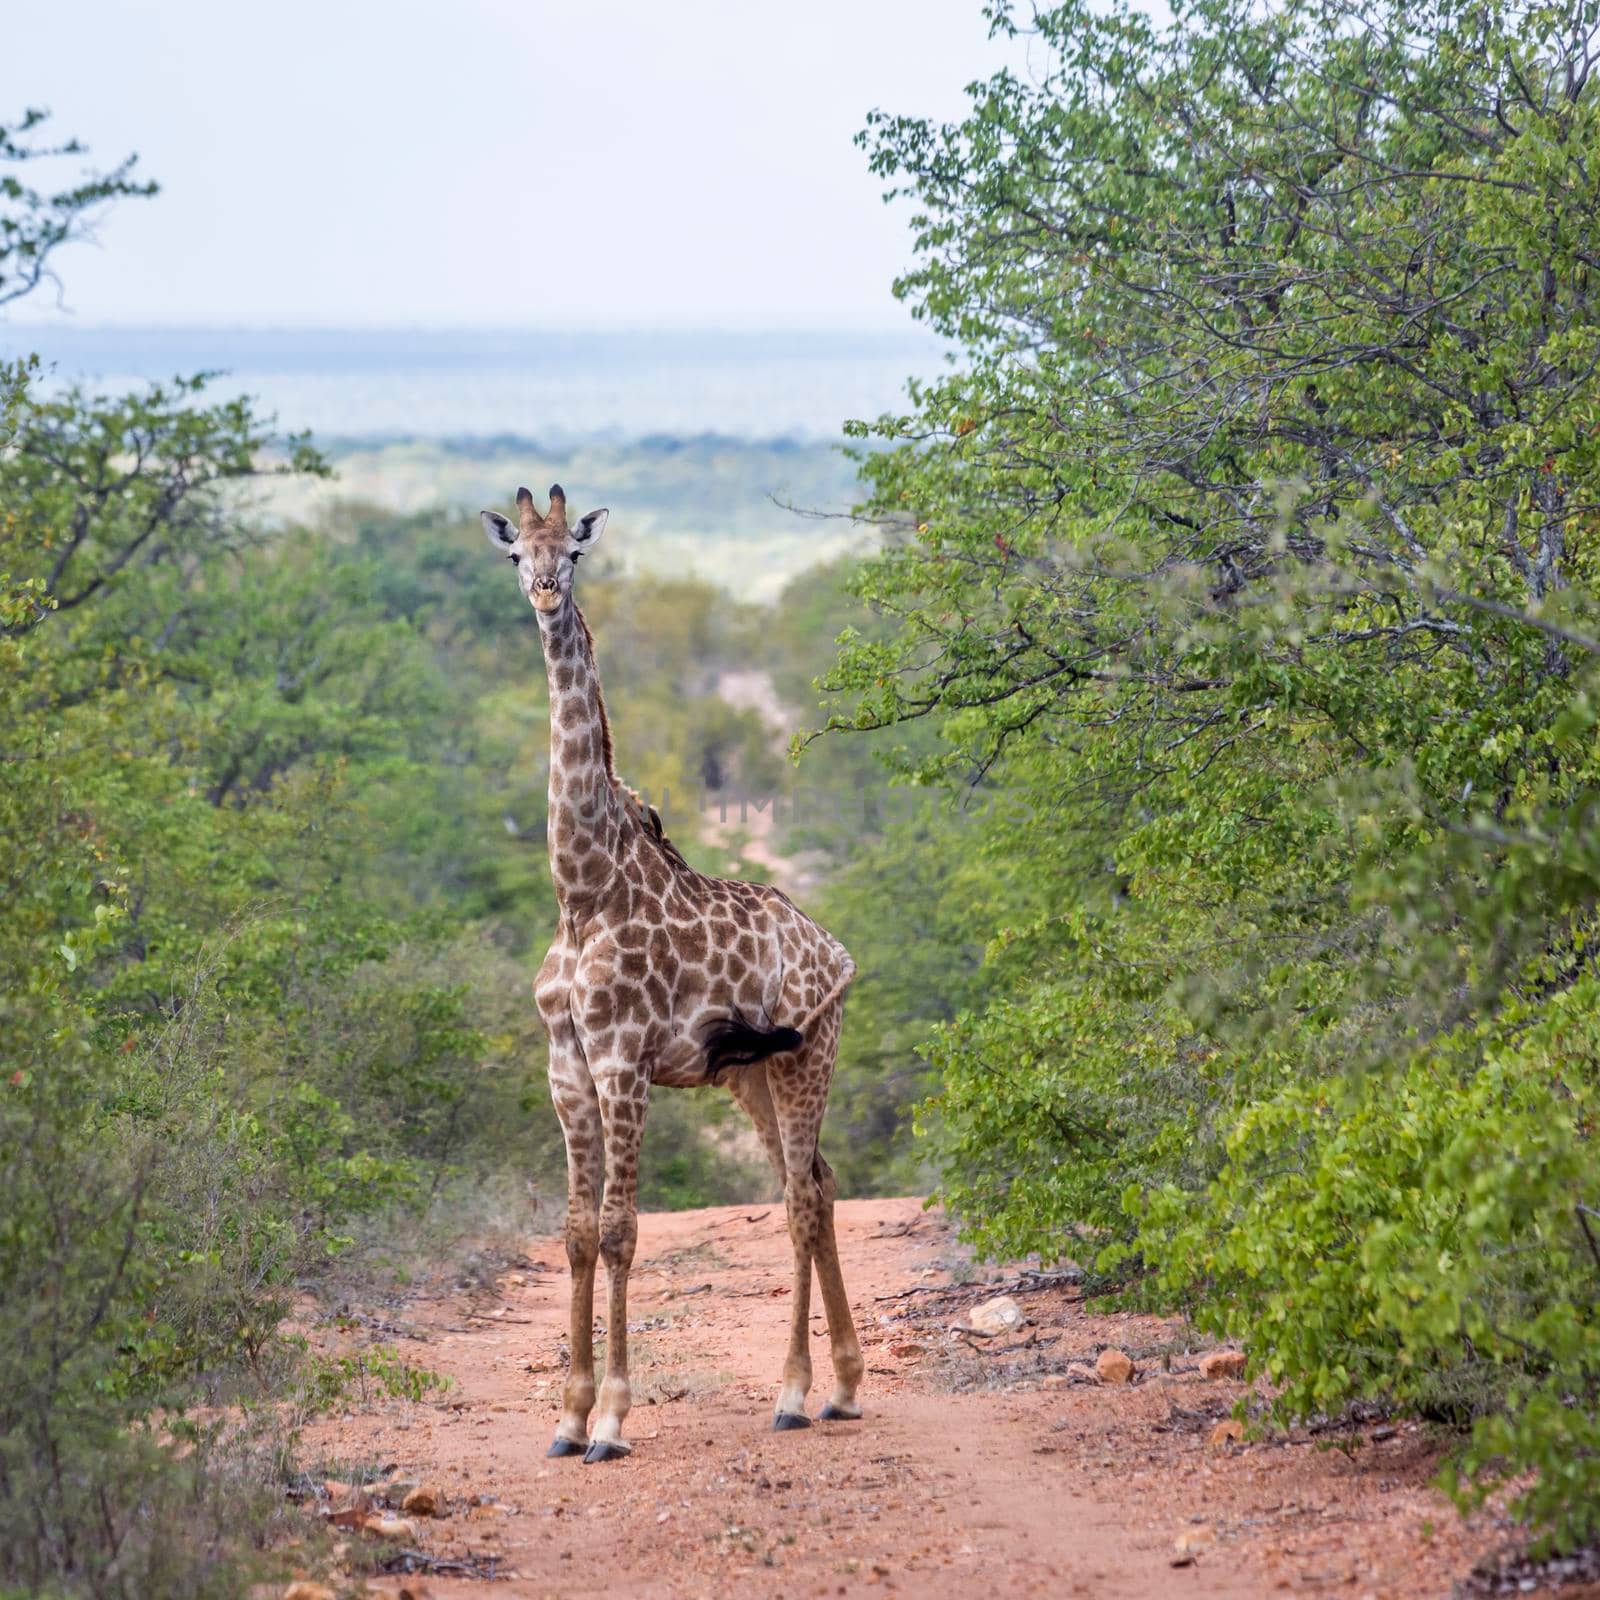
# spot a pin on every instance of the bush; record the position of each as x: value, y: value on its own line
x: 1423, y: 1239
x: 95, y: 1508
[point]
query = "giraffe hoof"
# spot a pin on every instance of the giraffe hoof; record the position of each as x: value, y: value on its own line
x: 604, y: 1450
x: 564, y: 1447
x: 832, y: 1413
x: 785, y: 1420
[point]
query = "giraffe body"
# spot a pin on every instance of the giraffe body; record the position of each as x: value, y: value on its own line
x: 662, y: 976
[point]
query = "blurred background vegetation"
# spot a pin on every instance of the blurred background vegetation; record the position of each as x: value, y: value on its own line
x: 273, y: 811
x: 1211, y: 801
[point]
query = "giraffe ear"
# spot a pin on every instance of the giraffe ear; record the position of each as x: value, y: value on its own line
x: 589, y: 528
x: 501, y: 530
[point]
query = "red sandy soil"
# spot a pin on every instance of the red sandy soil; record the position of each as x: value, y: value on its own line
x: 978, y: 1469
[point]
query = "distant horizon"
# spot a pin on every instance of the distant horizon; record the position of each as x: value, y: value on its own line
x: 487, y: 383
x: 901, y: 324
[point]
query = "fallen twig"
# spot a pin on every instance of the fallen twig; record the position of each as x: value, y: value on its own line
x: 376, y: 1325
x: 1030, y: 1282
x: 922, y: 1288
x: 1032, y: 1342
x: 488, y: 1569
x: 900, y: 1230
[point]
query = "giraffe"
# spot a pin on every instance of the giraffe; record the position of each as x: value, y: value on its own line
x: 661, y: 976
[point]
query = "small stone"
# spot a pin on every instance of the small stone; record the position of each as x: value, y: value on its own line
x: 1113, y: 1367
x: 1222, y: 1364
x: 1082, y: 1372
x: 423, y: 1501
x: 1227, y: 1433
x: 999, y: 1315
x: 1192, y: 1541
x: 906, y: 1351
x: 414, y: 1589
x: 1055, y: 1380
x: 388, y: 1528
x: 308, y: 1591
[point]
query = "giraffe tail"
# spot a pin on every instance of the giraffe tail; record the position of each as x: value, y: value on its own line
x: 733, y: 1042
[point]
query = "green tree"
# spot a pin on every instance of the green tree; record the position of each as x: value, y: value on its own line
x: 35, y: 223
x: 1252, y: 545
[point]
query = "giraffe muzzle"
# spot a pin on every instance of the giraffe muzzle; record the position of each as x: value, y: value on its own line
x: 545, y: 593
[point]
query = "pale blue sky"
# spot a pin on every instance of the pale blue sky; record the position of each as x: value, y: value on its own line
x: 489, y: 162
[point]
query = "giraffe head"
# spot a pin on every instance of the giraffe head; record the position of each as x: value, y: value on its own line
x: 544, y: 549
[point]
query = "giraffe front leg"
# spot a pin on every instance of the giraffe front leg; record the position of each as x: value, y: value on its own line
x: 578, y: 1107
x: 624, y: 1094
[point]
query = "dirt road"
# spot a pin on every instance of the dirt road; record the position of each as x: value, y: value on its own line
x: 981, y: 1467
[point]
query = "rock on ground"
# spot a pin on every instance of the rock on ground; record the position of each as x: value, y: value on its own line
x: 999, y: 1315
x: 388, y: 1528
x: 1113, y: 1367
x: 1222, y: 1364
x: 422, y: 1501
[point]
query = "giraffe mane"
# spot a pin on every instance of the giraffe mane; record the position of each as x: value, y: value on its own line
x: 648, y: 813
x: 651, y: 818
x: 606, y: 747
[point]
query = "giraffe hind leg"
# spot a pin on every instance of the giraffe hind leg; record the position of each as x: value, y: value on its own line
x: 753, y: 1092
x: 797, y: 1085
x: 750, y: 1090
x: 848, y: 1366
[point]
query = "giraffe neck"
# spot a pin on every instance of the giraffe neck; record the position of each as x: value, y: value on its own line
x: 584, y: 814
